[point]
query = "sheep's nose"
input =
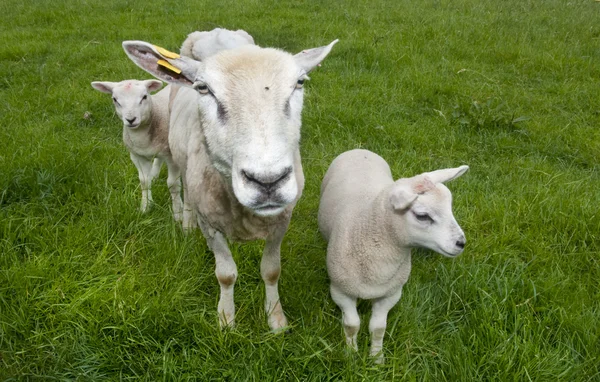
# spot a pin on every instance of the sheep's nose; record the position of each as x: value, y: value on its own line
x: 267, y: 182
x: 461, y: 243
x: 131, y: 121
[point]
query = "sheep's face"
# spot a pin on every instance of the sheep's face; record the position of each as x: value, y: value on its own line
x: 423, y: 212
x: 131, y: 99
x: 250, y: 104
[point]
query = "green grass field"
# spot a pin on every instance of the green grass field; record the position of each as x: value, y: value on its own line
x: 90, y: 289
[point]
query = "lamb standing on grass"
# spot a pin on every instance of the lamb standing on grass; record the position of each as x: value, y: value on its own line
x: 371, y: 224
x: 146, y: 134
x: 234, y: 132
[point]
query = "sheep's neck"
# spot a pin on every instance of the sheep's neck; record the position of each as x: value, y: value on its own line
x: 380, y: 239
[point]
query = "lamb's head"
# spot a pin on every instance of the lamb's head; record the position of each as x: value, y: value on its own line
x: 250, y: 102
x: 423, y: 211
x: 131, y: 99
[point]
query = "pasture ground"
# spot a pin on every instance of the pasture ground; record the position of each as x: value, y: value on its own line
x: 90, y: 289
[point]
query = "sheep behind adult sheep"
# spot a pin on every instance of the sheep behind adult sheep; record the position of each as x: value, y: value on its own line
x: 145, y: 120
x: 234, y: 132
x: 371, y: 223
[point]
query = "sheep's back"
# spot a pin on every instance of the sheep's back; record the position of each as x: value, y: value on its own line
x: 352, y: 181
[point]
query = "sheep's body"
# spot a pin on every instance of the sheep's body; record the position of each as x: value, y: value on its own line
x: 234, y: 132
x: 145, y: 120
x: 201, y: 45
x: 370, y: 224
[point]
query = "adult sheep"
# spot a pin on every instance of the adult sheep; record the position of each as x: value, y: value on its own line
x: 235, y: 132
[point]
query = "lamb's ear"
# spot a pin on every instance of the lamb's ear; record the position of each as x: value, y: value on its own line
x: 308, y: 59
x: 447, y: 174
x: 162, y: 64
x: 402, y: 197
x: 153, y: 85
x: 104, y: 87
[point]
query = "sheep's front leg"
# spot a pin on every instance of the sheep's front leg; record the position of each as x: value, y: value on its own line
x: 144, y: 167
x: 378, y: 323
x: 270, y: 269
x: 226, y: 272
x: 174, y: 183
x: 350, y: 317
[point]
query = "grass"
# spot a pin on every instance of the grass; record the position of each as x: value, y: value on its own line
x: 92, y: 290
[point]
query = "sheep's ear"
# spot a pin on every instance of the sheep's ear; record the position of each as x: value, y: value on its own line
x: 104, y: 87
x: 153, y: 85
x: 308, y: 59
x: 447, y: 174
x: 162, y: 64
x: 401, y: 197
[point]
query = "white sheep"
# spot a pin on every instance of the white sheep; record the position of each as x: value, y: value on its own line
x: 145, y: 120
x: 201, y: 45
x: 235, y: 134
x: 371, y: 223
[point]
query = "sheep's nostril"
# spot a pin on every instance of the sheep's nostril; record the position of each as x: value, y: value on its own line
x: 131, y: 121
x: 460, y: 244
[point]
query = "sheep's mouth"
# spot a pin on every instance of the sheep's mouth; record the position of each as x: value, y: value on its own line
x: 269, y: 209
x: 133, y: 125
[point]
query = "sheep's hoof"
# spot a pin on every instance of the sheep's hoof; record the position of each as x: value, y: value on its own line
x: 226, y: 321
x: 178, y: 217
x: 278, y: 323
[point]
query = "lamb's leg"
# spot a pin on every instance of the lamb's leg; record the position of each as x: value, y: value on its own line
x: 226, y: 272
x: 174, y: 183
x: 378, y: 323
x: 350, y: 317
x: 189, y: 222
x: 270, y: 268
x: 144, y: 167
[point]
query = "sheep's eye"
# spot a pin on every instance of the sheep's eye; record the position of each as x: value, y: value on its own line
x: 299, y: 84
x: 202, y: 89
x: 143, y: 99
x: 424, y: 218
x: 115, y: 100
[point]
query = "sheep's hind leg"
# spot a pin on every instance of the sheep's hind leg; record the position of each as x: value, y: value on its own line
x: 270, y: 269
x: 378, y: 323
x: 350, y: 317
x: 226, y: 272
x: 189, y: 222
x: 144, y: 167
x: 174, y: 183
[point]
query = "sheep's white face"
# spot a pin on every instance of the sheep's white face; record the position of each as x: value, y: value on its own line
x: 131, y: 99
x: 424, y: 212
x: 250, y: 103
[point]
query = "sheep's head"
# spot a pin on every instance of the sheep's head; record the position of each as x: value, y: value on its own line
x: 423, y: 211
x: 250, y: 102
x: 131, y: 99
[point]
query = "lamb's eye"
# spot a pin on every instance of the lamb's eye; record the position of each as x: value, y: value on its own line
x: 424, y: 217
x: 143, y: 99
x: 202, y: 89
x: 115, y: 100
x: 299, y: 84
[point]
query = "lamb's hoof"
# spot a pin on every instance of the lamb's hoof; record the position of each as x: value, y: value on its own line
x: 378, y: 358
x: 226, y: 321
x: 178, y: 217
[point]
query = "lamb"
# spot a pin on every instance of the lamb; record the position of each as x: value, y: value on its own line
x: 201, y: 45
x: 234, y: 132
x: 145, y: 134
x: 371, y: 223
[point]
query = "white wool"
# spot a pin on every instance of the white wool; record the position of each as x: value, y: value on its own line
x: 371, y: 223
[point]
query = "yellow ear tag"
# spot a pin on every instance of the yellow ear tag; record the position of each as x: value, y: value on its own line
x: 166, y: 53
x: 165, y: 64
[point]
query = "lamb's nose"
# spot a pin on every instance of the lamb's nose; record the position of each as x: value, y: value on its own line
x: 461, y: 243
x: 131, y: 121
x: 267, y: 182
